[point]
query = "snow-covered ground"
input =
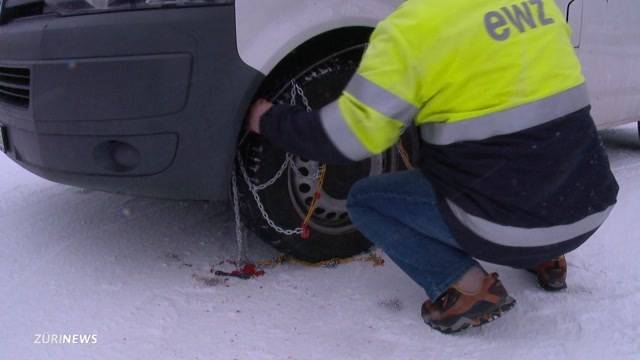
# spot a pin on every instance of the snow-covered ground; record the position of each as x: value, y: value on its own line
x: 135, y: 272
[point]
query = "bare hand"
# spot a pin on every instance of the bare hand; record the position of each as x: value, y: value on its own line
x: 255, y: 114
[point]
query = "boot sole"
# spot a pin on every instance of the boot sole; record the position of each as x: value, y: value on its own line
x: 552, y: 286
x: 465, y: 323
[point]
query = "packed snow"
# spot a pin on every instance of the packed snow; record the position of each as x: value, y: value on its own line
x: 136, y: 275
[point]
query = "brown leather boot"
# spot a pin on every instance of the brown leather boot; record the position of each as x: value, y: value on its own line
x: 552, y: 274
x: 457, y: 310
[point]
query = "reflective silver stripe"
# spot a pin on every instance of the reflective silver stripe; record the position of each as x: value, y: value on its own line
x: 509, y: 121
x: 522, y: 237
x: 381, y: 100
x: 339, y: 133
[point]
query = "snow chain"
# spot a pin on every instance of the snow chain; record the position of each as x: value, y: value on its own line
x: 304, y: 230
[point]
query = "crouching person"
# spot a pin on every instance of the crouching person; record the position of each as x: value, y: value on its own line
x: 511, y: 171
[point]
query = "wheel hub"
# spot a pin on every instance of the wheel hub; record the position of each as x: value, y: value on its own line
x: 331, y: 214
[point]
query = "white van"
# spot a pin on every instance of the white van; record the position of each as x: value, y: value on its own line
x: 147, y: 97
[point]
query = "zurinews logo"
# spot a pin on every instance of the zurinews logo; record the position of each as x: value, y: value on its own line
x: 65, y: 339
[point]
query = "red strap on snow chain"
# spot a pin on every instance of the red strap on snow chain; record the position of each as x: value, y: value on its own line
x: 306, y: 230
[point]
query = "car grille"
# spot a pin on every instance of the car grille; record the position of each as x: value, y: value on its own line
x: 15, y: 86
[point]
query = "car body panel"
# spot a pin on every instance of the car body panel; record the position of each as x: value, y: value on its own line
x: 268, y: 30
x: 606, y: 35
x: 574, y: 12
x: 152, y: 89
x: 610, y: 54
x: 260, y: 25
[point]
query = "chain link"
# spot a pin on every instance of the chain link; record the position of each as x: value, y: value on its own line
x: 256, y: 196
x: 297, y: 90
x: 275, y: 177
x: 236, y: 212
x: 289, y: 163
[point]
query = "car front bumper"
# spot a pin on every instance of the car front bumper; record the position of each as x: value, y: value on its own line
x: 140, y: 102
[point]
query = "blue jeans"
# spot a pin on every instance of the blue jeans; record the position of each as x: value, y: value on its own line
x: 398, y: 212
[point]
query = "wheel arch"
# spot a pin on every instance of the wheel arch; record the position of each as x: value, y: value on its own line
x: 267, y: 31
x: 310, y: 52
x: 299, y: 59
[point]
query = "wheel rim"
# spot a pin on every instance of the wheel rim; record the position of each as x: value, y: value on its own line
x: 331, y: 215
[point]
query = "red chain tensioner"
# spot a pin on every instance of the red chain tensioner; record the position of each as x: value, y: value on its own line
x: 306, y: 229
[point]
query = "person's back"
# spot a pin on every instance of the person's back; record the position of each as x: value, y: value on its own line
x: 503, y: 111
x: 472, y: 58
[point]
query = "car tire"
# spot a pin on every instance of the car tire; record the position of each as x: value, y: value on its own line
x: 287, y: 200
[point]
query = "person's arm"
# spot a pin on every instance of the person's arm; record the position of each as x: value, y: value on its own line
x: 300, y: 132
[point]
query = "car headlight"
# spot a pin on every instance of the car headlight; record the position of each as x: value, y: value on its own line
x: 73, y: 7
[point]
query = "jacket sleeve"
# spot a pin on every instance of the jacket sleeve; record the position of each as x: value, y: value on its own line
x: 379, y: 103
x: 383, y: 97
x: 300, y: 132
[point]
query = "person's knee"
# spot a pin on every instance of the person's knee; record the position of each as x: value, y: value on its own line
x: 357, y: 192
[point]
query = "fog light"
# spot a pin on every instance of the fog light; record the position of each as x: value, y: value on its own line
x: 116, y: 156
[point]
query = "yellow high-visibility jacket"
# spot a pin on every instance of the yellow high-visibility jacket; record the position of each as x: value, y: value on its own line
x: 465, y: 69
x: 497, y: 93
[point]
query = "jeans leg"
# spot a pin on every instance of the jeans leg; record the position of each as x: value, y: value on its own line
x: 398, y: 213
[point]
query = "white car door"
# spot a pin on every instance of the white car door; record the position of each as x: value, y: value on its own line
x: 573, y: 12
x: 610, y: 54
